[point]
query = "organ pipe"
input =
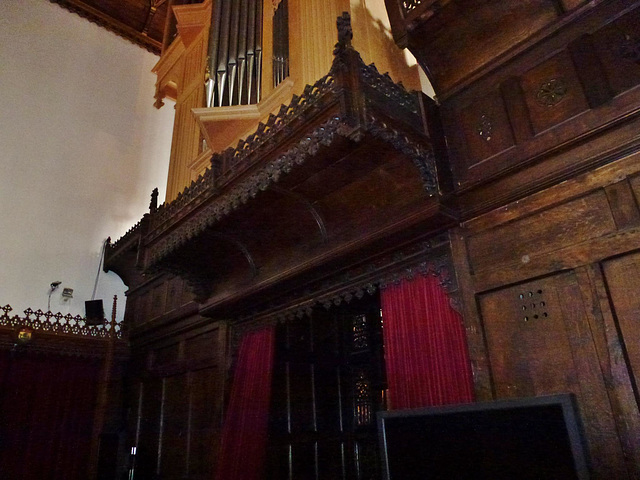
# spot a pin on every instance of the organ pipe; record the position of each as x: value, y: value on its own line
x: 235, y: 53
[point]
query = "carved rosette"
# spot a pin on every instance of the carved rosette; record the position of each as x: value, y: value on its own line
x: 551, y: 92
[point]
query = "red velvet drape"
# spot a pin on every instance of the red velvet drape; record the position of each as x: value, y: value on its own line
x: 46, y: 415
x: 244, y: 435
x: 426, y: 355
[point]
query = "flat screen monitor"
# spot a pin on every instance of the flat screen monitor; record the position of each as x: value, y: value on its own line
x: 530, y: 438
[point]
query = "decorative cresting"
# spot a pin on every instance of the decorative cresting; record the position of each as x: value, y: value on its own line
x: 57, y: 323
x: 430, y: 257
x: 351, y: 96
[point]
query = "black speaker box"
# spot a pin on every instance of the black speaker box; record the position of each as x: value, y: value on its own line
x: 94, y: 312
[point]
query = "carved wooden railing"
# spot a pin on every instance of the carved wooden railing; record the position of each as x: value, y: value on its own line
x: 55, y: 323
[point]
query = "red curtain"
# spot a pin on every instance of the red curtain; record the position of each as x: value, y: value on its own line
x: 426, y: 355
x: 244, y: 435
x: 46, y: 415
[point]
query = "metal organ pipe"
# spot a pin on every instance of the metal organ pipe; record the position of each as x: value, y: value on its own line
x: 235, y: 53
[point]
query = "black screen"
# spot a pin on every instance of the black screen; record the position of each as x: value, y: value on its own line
x: 528, y: 439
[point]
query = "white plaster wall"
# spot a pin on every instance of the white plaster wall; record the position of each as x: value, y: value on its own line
x: 81, y: 148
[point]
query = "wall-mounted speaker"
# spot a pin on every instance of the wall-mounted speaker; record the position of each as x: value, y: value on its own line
x: 94, y: 312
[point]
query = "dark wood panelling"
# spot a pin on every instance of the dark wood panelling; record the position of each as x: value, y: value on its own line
x: 623, y: 280
x: 574, y: 84
x: 205, y: 420
x: 623, y: 206
x: 635, y: 187
x: 544, y: 232
x: 182, y: 397
x: 539, y: 343
x: 464, y: 36
x: 149, y: 433
x: 166, y: 356
x: 175, y: 426
x: 615, y: 45
x: 485, y: 128
x: 590, y: 71
x: 553, y: 92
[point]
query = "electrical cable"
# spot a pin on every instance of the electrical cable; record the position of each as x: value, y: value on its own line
x: 95, y: 285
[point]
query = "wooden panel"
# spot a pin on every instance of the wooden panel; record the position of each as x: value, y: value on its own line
x: 553, y: 92
x: 485, y: 126
x: 617, y: 45
x: 175, y: 428
x: 573, y: 222
x: 623, y: 205
x: 202, y: 346
x: 571, y: 4
x: 166, y: 356
x: 539, y: 342
x: 635, y: 187
x: 464, y: 36
x: 623, y: 279
x: 150, y: 432
x: 204, y: 433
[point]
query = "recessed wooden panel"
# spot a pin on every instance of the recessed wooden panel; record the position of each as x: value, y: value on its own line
x: 618, y: 46
x: 464, y: 36
x: 205, y: 403
x: 623, y: 279
x: 635, y: 187
x: 149, y: 433
x: 302, y: 397
x: 486, y: 128
x: 553, y: 92
x: 539, y: 342
x: 202, y: 346
x: 175, y: 428
x: 570, y: 223
x: 167, y: 355
x: 623, y: 205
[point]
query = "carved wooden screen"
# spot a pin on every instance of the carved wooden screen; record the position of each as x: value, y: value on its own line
x: 328, y: 384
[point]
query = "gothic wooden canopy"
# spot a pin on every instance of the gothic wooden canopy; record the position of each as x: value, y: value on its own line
x: 345, y: 173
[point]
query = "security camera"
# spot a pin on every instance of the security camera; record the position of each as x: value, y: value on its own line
x: 55, y: 284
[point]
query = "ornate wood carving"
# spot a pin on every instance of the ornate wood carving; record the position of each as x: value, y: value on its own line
x: 551, y: 92
x: 333, y: 116
x: 430, y: 257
